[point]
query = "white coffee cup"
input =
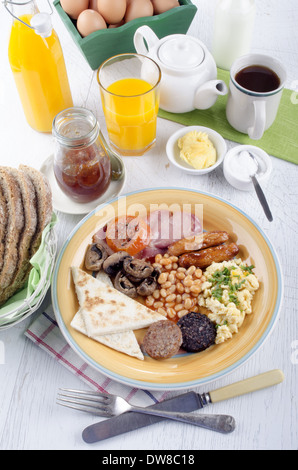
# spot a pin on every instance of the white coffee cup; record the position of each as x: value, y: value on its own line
x: 252, y: 112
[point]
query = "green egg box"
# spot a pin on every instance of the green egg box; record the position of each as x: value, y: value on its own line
x: 100, y: 45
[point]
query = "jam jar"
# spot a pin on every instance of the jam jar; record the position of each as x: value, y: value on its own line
x: 81, y: 164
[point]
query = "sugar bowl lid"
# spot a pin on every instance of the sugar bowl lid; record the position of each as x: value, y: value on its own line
x: 181, y: 52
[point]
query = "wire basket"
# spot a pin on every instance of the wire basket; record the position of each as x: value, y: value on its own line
x: 32, y: 303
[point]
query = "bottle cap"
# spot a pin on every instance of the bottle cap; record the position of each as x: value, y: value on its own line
x: 42, y: 24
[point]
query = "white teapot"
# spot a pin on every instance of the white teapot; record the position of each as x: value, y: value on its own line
x: 189, y: 73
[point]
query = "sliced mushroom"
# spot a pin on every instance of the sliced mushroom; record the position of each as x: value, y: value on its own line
x: 114, y: 263
x: 137, y: 268
x: 123, y: 284
x: 133, y: 279
x: 95, y: 256
x: 147, y: 287
x: 156, y: 272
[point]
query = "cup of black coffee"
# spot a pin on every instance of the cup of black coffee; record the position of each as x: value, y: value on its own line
x: 256, y: 84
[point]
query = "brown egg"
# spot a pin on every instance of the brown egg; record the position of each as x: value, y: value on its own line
x: 116, y: 25
x: 90, y: 21
x: 160, y: 6
x: 112, y: 11
x: 138, y: 9
x: 93, y: 5
x: 74, y: 7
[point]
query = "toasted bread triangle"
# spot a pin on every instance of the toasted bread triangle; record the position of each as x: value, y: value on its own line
x: 124, y: 342
x: 105, y: 310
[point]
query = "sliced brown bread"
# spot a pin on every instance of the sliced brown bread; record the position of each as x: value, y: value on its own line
x: 30, y: 223
x: 3, y: 224
x: 15, y: 225
x: 44, y: 203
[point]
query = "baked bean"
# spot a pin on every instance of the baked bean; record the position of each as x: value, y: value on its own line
x: 166, y: 285
x: 162, y: 311
x: 149, y: 301
x: 195, y: 289
x: 198, y: 273
x: 169, y: 266
x: 170, y: 298
x: 163, y: 277
x: 182, y: 313
x: 170, y: 304
x: 178, y: 307
x: 171, y: 289
x: 158, y: 304
x: 190, y: 270
x: 180, y: 275
x: 156, y: 294
x: 188, y: 303
x: 171, y: 312
x: 178, y: 288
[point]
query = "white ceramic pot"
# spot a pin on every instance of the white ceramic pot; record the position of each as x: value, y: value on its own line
x: 189, y: 73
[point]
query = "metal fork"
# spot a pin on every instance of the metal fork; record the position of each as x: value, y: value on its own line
x: 107, y: 405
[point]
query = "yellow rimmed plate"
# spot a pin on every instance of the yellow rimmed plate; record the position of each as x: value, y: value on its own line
x: 184, y: 370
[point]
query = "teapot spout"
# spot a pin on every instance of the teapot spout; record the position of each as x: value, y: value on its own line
x: 207, y: 94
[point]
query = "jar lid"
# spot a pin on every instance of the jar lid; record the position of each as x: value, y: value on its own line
x: 238, y: 166
x: 183, y: 52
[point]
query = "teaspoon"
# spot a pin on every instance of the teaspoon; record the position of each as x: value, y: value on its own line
x: 117, y: 164
x: 259, y: 190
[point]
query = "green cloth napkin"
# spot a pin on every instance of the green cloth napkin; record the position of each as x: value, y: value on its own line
x: 280, y: 140
x: 40, y: 262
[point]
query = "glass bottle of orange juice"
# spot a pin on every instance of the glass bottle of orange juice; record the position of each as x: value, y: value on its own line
x: 37, y: 64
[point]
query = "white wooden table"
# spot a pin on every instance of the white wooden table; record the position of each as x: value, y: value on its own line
x: 29, y: 378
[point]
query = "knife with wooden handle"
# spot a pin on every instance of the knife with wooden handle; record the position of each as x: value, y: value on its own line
x: 186, y: 402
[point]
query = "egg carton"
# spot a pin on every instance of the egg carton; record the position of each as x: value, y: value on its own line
x: 103, y: 44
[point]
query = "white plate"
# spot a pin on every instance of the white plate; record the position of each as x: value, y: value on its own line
x: 63, y: 203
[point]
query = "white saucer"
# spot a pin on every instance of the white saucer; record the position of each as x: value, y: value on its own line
x: 63, y: 203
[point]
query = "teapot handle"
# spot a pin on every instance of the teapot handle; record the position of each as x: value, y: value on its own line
x: 142, y: 34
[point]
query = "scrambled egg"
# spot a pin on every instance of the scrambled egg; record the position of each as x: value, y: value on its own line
x: 227, y: 293
x: 197, y: 150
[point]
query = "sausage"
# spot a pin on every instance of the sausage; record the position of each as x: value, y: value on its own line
x: 198, y: 242
x: 203, y: 258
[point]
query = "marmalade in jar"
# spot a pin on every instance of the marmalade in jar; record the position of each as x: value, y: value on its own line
x: 81, y: 165
x: 83, y: 174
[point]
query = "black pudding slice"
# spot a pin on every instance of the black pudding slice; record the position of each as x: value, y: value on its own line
x: 198, y: 332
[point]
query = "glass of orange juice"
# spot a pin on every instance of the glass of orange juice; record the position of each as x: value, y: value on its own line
x: 129, y: 88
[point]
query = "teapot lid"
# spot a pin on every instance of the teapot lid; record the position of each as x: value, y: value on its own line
x: 181, y: 52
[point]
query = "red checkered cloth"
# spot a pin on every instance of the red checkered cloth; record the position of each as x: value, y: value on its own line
x: 45, y: 333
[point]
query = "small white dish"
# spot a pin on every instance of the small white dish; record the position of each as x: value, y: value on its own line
x: 173, y: 151
x: 63, y: 203
x: 236, y: 172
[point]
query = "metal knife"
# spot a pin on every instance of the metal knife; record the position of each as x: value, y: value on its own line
x: 186, y: 402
